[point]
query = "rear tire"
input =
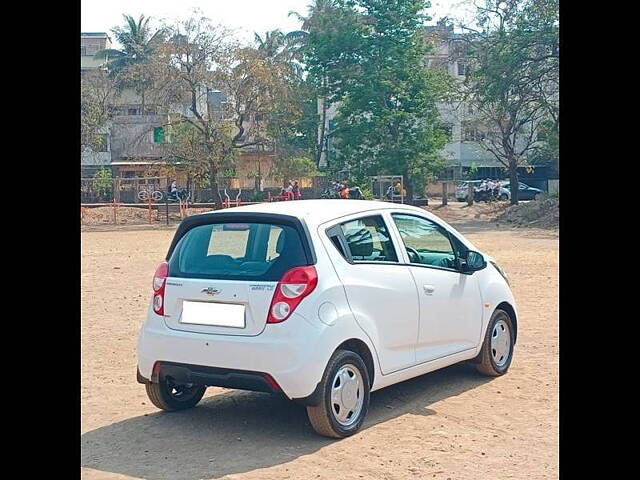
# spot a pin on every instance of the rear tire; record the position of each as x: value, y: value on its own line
x: 497, y: 349
x: 344, y: 396
x: 168, y: 397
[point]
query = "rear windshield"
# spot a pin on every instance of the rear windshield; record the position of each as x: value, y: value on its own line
x: 237, y: 251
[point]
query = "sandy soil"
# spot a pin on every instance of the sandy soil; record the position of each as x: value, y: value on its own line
x: 450, y: 424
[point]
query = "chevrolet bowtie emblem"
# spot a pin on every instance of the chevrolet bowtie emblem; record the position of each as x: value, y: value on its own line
x: 210, y: 291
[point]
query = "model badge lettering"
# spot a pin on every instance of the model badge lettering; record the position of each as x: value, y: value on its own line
x: 261, y: 288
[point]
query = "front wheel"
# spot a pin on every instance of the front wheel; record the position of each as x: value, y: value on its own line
x: 497, y: 349
x: 344, y: 397
x: 169, y: 396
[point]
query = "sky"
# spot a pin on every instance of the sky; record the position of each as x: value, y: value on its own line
x: 243, y: 16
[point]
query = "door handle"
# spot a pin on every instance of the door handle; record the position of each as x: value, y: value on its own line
x: 428, y: 289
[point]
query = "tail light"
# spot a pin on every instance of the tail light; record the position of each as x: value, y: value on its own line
x: 159, y: 282
x: 294, y: 285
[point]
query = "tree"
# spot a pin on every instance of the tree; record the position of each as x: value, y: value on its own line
x: 328, y: 44
x: 293, y: 168
x: 98, y: 93
x: 254, y: 83
x: 138, y: 44
x: 513, y: 83
x: 388, y: 121
x: 185, y: 71
x: 104, y: 184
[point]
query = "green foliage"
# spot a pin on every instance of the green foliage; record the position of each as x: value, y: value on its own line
x: 367, y: 193
x: 256, y: 197
x: 549, y: 150
x: 293, y: 169
x: 388, y: 120
x: 103, y: 181
x: 138, y: 44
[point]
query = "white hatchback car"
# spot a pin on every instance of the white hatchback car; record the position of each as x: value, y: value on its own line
x: 323, y: 301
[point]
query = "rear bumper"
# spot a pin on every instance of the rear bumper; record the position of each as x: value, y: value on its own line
x: 281, y: 351
x: 212, y: 377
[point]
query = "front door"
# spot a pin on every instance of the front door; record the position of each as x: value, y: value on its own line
x: 450, y: 302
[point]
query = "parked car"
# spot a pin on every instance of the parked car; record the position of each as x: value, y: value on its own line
x: 462, y: 190
x: 322, y: 301
x: 525, y: 192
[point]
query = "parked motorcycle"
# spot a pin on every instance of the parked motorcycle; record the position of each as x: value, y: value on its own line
x: 486, y: 194
x: 180, y: 194
x: 354, y: 193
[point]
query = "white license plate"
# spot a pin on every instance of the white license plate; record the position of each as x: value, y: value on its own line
x: 214, y: 314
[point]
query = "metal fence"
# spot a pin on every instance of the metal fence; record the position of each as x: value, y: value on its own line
x: 145, y: 200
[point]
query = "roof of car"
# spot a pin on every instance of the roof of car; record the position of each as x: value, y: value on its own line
x: 317, y: 212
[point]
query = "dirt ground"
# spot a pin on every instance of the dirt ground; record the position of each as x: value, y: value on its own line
x: 450, y: 424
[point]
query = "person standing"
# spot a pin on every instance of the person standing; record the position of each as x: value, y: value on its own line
x: 389, y: 193
x: 344, y: 193
x: 289, y: 191
x: 296, y: 191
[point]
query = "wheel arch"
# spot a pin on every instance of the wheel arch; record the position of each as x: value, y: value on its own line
x: 355, y: 345
x: 506, y: 306
x: 358, y: 346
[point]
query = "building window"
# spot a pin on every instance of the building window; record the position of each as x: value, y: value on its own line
x: 132, y: 111
x: 471, y: 133
x: 83, y: 50
x: 158, y: 135
x: 463, y: 69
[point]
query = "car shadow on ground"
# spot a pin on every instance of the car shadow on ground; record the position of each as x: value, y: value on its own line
x: 238, y: 431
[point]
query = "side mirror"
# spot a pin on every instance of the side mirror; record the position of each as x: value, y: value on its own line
x: 474, y: 262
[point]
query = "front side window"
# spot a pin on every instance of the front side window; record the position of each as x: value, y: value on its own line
x: 368, y: 240
x: 426, y: 242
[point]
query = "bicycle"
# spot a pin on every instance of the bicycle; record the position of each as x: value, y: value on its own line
x: 144, y: 195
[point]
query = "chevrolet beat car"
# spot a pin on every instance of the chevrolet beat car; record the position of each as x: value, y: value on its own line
x: 323, y: 301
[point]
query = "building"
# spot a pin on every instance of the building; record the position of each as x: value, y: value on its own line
x: 133, y: 139
x: 90, y: 44
x: 93, y: 160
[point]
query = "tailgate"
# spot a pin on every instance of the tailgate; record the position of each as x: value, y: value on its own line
x: 223, y: 270
x: 217, y: 306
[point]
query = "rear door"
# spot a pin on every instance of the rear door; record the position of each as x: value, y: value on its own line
x: 222, y: 275
x: 380, y: 290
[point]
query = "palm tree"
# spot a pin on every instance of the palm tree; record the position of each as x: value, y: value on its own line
x: 276, y: 48
x: 318, y: 7
x: 137, y: 44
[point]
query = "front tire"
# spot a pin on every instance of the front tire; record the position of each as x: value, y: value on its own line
x: 167, y: 396
x: 497, y: 349
x: 344, y: 396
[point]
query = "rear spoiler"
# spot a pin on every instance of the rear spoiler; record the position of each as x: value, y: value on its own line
x: 246, y: 217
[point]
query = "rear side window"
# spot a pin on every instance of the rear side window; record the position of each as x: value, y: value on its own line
x: 237, y: 251
x: 368, y: 240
